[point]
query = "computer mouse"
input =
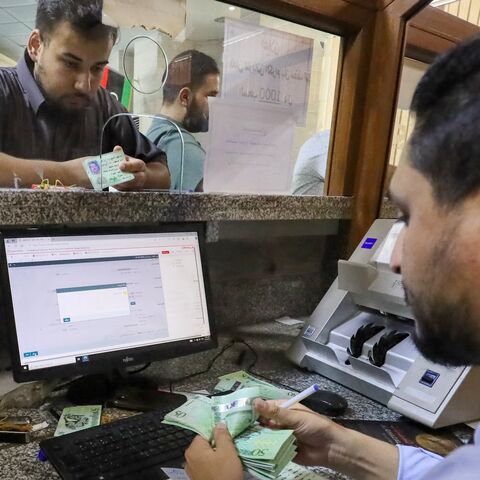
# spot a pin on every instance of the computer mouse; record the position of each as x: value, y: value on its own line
x: 326, y: 403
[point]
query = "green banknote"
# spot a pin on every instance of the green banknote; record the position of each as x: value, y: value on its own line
x: 236, y: 380
x: 195, y: 414
x: 264, y: 452
x: 201, y: 414
x: 236, y: 409
x: 241, y: 379
x: 74, y: 419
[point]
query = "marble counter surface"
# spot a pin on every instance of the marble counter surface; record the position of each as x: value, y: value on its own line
x: 268, y: 340
x: 34, y: 207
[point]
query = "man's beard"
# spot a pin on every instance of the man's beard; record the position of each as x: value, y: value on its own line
x: 445, y: 332
x: 195, y: 120
x: 61, y: 104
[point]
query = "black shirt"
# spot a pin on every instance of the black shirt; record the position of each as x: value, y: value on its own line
x: 31, y: 128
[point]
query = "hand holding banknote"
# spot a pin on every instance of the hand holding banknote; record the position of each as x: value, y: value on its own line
x: 323, y: 442
x: 204, y: 462
x: 263, y: 452
x: 315, y: 433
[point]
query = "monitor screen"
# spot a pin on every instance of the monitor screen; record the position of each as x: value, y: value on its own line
x: 91, y: 301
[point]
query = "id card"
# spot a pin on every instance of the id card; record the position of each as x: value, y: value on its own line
x: 105, y: 171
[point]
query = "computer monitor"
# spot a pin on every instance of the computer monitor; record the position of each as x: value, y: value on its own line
x: 82, y: 301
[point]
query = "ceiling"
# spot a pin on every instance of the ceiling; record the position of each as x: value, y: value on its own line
x: 17, y: 18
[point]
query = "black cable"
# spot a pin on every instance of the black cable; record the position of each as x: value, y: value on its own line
x: 213, y: 360
x: 138, y: 370
x: 255, y: 355
x: 209, y: 366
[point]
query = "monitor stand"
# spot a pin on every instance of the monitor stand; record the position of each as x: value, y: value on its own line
x: 122, y: 390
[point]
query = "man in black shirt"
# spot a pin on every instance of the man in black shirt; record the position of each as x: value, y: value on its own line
x: 52, y: 109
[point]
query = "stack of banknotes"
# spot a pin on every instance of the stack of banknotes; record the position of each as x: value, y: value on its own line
x: 264, y: 452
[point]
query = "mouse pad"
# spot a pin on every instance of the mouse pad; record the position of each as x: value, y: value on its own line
x: 441, y: 441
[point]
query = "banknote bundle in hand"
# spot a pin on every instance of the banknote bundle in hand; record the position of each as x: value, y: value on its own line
x: 264, y: 452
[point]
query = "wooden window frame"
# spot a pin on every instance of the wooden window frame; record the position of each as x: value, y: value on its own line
x: 376, y: 36
x: 433, y: 31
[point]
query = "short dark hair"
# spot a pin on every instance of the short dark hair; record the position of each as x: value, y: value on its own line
x: 85, y: 16
x: 445, y: 143
x: 187, y: 69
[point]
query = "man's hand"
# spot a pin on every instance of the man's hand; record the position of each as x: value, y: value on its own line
x: 137, y: 167
x: 206, y: 463
x: 323, y: 442
x: 315, y: 434
x: 70, y: 173
x: 152, y: 175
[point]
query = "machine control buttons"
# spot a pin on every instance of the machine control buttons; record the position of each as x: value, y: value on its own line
x: 429, y: 378
x: 309, y: 331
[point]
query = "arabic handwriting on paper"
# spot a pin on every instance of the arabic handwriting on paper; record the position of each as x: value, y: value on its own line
x: 104, y: 171
x: 267, y: 66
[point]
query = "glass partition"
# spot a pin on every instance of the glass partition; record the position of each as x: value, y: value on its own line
x: 241, y: 102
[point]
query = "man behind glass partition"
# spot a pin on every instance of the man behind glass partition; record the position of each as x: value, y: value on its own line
x: 52, y: 108
x: 437, y: 191
x: 311, y: 165
x: 192, y: 77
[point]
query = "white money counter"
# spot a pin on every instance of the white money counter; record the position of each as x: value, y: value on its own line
x: 360, y: 335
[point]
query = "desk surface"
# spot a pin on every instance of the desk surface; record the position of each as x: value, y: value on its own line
x: 269, y: 340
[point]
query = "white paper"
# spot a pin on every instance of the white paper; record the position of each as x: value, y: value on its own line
x: 175, y: 473
x: 289, y: 321
x: 268, y: 66
x: 249, y: 148
x: 169, y: 16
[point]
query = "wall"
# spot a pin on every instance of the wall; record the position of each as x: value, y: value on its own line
x: 258, y: 277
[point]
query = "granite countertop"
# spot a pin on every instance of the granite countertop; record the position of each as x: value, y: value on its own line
x: 388, y: 209
x: 269, y: 340
x: 36, y: 207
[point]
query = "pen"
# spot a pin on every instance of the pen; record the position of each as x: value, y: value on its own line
x: 299, y: 397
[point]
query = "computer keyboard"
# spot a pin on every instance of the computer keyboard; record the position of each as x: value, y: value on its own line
x: 132, y: 448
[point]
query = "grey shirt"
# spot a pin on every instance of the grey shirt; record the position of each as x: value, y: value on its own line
x: 32, y: 128
x: 166, y: 136
x: 311, y: 166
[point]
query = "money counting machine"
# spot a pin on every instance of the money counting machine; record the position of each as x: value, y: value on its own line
x: 360, y: 335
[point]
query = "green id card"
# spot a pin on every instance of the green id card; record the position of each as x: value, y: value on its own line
x: 104, y: 171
